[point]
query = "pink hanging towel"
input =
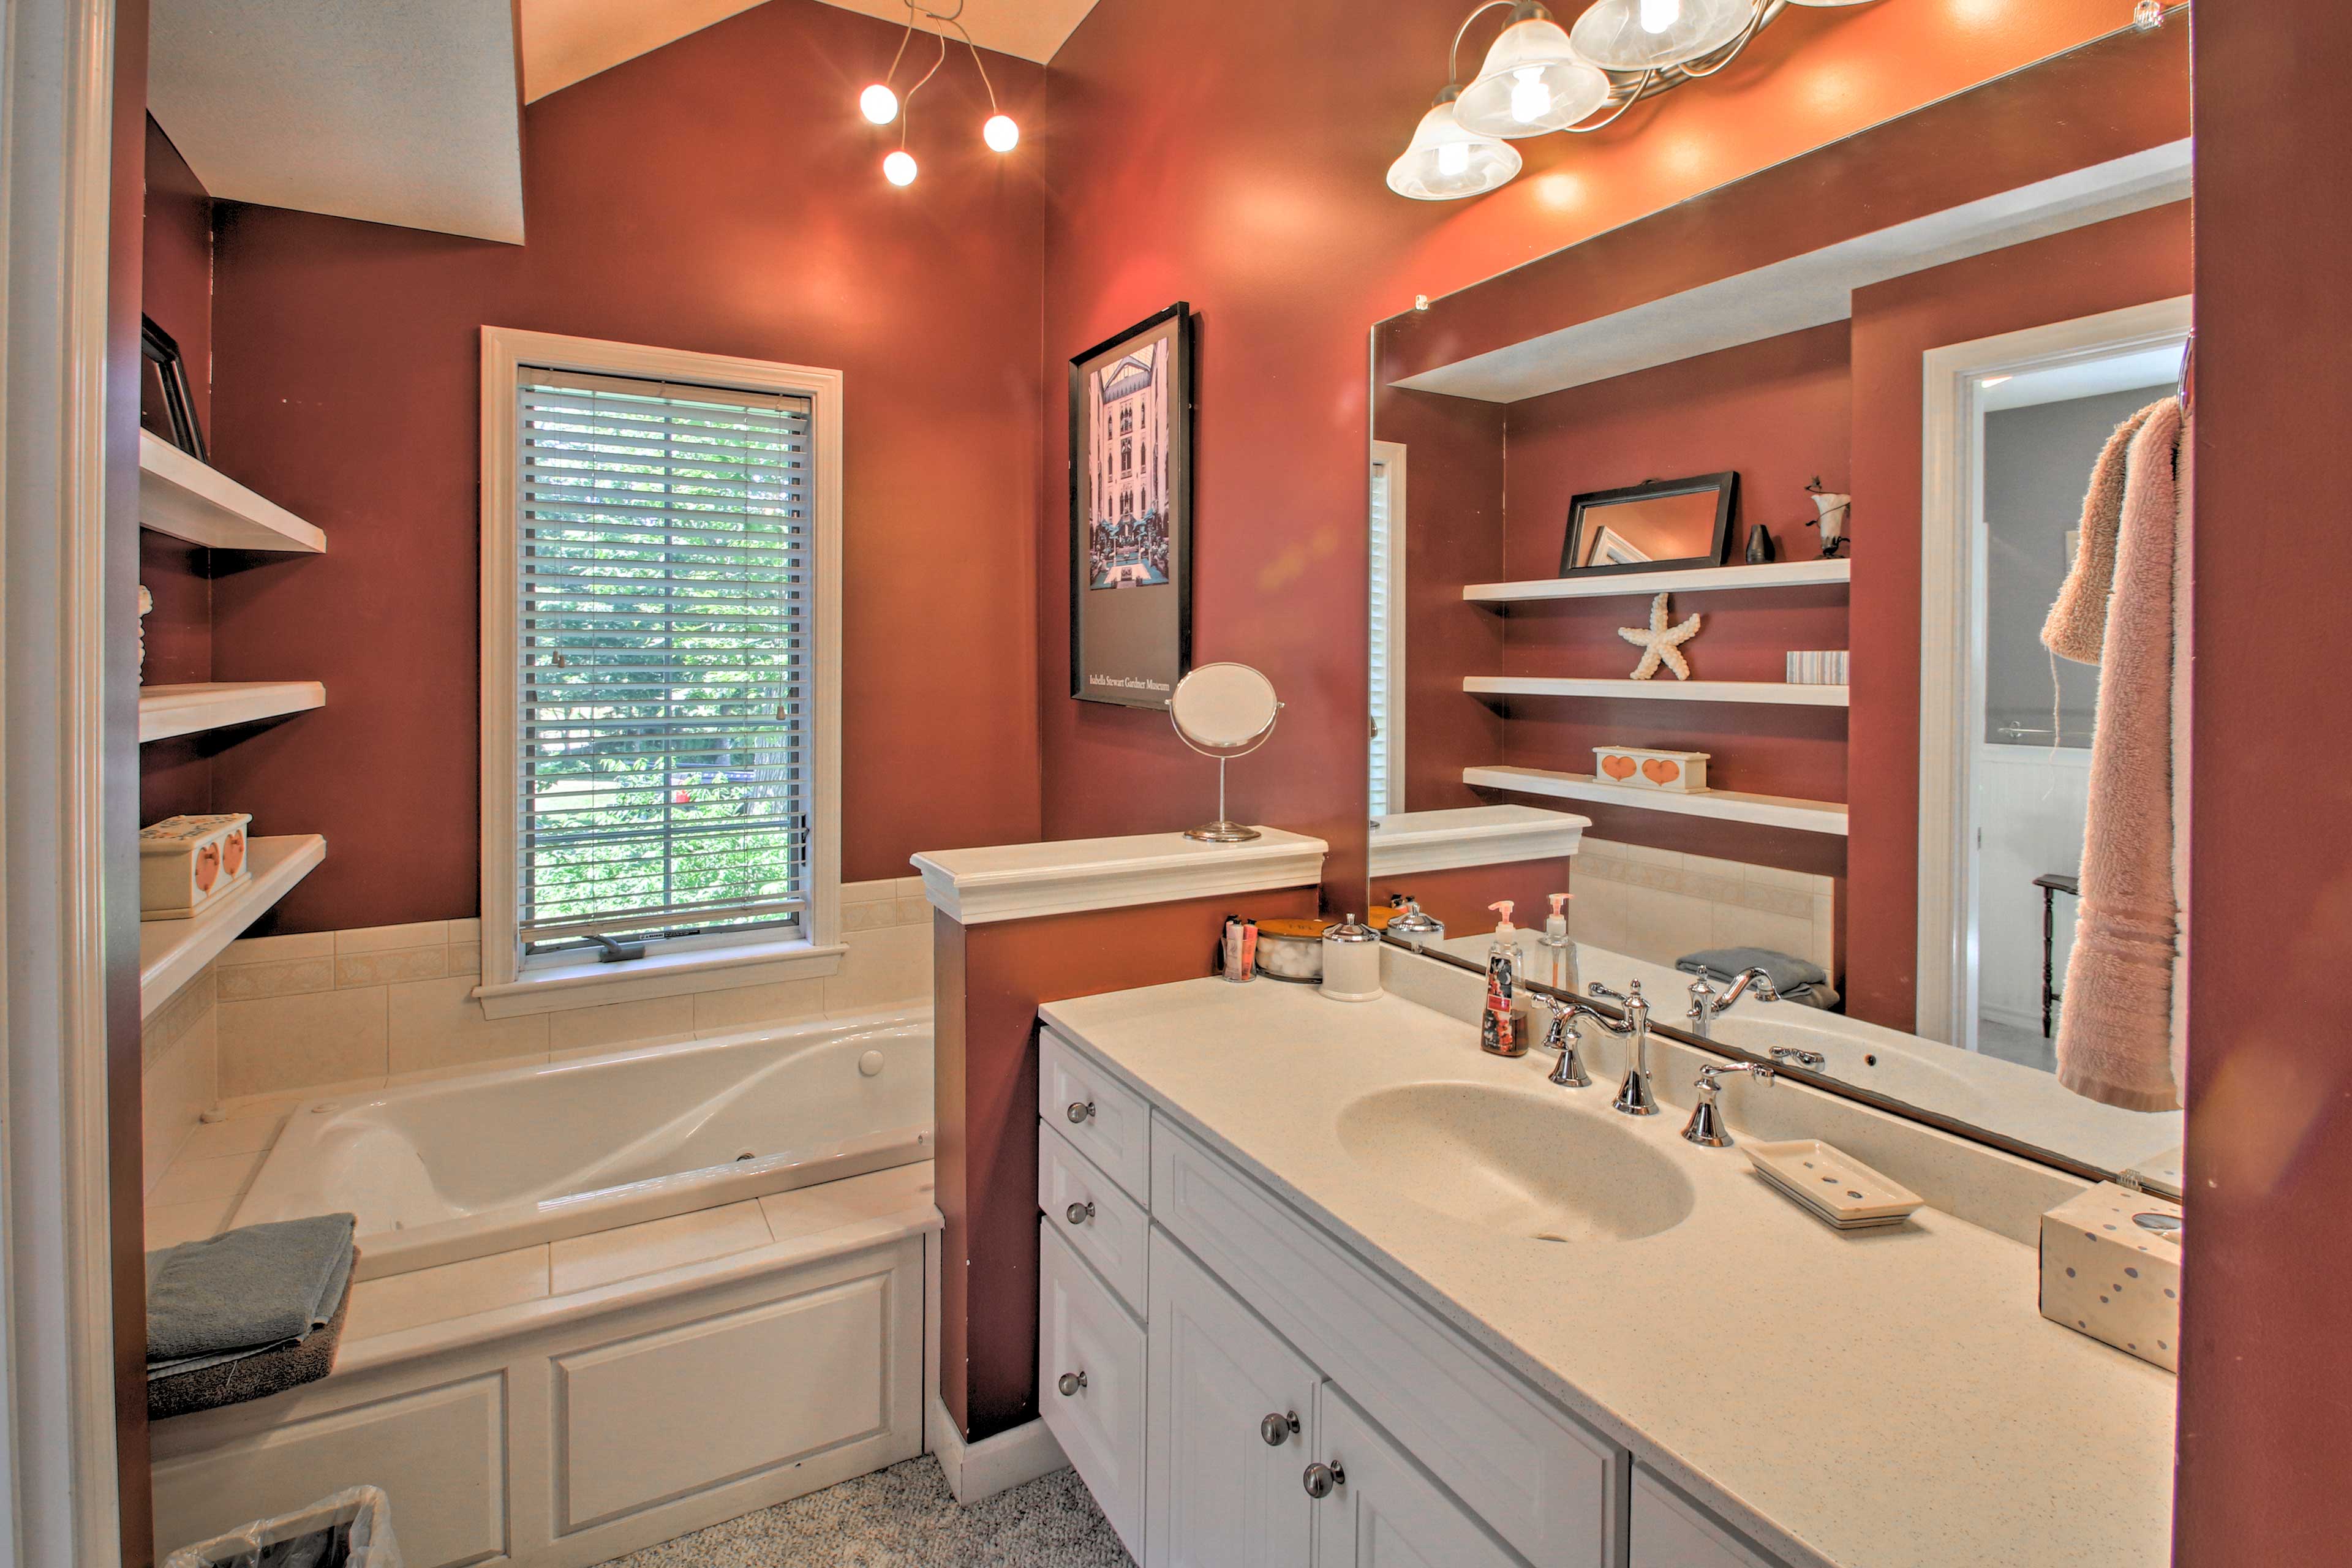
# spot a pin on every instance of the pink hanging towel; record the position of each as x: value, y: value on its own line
x: 2115, y: 1036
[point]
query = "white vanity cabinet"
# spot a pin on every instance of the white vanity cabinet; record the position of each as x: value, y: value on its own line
x: 1240, y: 1390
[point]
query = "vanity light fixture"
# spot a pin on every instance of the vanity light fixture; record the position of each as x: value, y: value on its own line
x: 1536, y: 79
x: 881, y: 103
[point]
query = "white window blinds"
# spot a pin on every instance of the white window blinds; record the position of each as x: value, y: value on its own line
x: 663, y: 735
x: 1383, y: 613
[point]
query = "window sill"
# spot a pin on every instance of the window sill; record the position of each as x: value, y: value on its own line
x: 560, y: 988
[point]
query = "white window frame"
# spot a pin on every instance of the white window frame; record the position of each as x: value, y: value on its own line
x: 723, y: 960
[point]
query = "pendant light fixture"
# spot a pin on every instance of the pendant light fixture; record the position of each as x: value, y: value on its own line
x: 1445, y: 160
x: 881, y: 104
x: 1532, y: 81
x: 1650, y: 35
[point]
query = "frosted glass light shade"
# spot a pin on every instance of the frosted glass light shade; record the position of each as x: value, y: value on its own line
x: 1647, y: 35
x: 1444, y: 160
x: 898, y: 168
x: 878, y: 104
x: 1531, y: 83
x: 1000, y: 133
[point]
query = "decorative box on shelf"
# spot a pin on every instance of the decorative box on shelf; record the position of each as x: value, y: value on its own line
x: 186, y: 862
x: 1638, y: 767
x: 2111, y: 1269
x: 1828, y: 667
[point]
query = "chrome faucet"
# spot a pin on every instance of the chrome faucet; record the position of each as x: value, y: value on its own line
x: 1782, y: 1055
x: 1706, y: 1005
x: 1633, y: 1096
x: 1561, y: 1036
x: 1706, y: 1127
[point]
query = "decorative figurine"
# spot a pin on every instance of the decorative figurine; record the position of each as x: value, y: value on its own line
x: 1661, y: 640
x: 1834, y: 508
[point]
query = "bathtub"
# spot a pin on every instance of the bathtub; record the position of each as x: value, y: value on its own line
x: 465, y: 1167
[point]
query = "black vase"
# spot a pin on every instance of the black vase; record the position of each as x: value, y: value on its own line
x: 1759, y: 545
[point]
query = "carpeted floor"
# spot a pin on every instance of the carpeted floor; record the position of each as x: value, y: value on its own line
x: 905, y: 1517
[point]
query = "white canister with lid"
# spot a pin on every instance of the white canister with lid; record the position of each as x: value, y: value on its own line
x: 1351, y: 963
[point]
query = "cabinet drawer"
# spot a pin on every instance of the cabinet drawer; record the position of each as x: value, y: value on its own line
x: 1083, y: 1333
x: 1669, y: 1532
x: 1550, y: 1487
x: 1102, y: 1118
x: 1111, y: 1232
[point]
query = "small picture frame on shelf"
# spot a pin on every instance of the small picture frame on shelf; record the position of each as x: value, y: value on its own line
x: 1659, y: 525
x: 166, y: 406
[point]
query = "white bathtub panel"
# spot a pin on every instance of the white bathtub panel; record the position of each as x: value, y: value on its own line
x: 438, y: 1453
x: 648, y: 1419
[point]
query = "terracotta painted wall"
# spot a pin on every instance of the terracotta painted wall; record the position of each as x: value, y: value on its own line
x: 2265, y: 1397
x: 718, y: 195
x: 1249, y: 183
x: 2127, y: 261
x: 176, y: 266
x: 989, y: 980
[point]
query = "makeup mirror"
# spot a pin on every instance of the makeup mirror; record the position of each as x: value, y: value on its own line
x: 1223, y: 711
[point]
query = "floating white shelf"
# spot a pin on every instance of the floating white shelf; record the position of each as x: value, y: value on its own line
x: 167, y: 710
x: 191, y: 501
x: 1666, y: 688
x: 1764, y: 810
x: 1699, y: 579
x: 172, y: 952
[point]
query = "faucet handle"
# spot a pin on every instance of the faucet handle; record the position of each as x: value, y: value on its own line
x: 1705, y: 1126
x: 1803, y: 1059
x: 1561, y: 1036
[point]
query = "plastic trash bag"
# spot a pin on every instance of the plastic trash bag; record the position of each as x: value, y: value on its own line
x: 352, y: 1528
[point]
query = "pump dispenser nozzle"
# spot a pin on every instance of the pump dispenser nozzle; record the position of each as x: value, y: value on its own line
x: 1504, y: 910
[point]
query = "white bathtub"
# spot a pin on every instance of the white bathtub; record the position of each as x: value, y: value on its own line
x: 465, y: 1167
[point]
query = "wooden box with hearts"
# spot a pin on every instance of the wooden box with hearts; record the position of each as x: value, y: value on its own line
x: 1637, y: 767
x: 186, y: 862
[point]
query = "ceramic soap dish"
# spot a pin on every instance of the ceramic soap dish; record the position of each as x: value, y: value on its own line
x: 1834, y: 1187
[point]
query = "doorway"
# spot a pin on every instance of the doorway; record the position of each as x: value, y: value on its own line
x: 2014, y: 425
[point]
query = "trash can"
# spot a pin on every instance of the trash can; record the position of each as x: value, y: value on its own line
x: 352, y: 1528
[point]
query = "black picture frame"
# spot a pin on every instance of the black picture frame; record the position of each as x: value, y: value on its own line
x: 166, y: 406
x: 1584, y: 512
x: 1130, y: 611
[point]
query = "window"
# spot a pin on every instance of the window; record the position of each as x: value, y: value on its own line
x: 659, y: 711
x: 1387, y: 642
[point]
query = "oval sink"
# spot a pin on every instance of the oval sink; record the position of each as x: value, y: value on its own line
x: 1903, y: 1071
x: 1523, y: 1164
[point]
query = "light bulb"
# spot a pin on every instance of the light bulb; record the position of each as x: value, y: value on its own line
x: 1000, y: 133
x: 878, y: 104
x: 1530, y: 99
x: 1657, y: 16
x: 1454, y: 158
x: 898, y: 168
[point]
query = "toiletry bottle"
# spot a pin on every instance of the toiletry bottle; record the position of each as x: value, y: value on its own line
x: 1564, y: 975
x: 1497, y: 1031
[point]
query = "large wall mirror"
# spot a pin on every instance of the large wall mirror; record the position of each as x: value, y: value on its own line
x: 1898, y: 360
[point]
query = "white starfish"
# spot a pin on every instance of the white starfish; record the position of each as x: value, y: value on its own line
x: 1660, y: 641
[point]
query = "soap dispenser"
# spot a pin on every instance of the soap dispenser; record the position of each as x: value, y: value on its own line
x: 1562, y: 966
x: 1499, y: 1032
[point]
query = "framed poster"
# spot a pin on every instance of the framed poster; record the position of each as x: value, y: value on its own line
x: 1131, y: 513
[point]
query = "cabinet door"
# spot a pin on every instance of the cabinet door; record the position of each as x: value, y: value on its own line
x: 1084, y: 1336
x: 1221, y: 1495
x: 1384, y: 1512
x: 1668, y: 1532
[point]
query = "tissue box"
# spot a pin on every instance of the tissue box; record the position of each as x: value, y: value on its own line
x: 2111, y: 1269
x: 186, y: 862
x: 1683, y: 773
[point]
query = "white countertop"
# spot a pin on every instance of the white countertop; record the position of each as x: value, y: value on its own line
x: 1407, y: 841
x: 1021, y: 881
x: 1887, y: 1399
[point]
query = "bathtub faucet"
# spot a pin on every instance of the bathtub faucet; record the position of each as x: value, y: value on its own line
x: 1706, y: 1005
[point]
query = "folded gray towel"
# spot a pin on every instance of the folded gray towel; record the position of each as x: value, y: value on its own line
x: 246, y: 1289
x: 336, y: 1286
x: 1788, y: 974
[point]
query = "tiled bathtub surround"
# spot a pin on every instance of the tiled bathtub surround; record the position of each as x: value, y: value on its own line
x: 348, y: 1007
x: 1657, y: 905
x: 179, y: 1071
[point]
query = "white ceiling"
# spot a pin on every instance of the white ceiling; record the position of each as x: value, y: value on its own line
x: 399, y: 113
x: 564, y: 41
x: 2090, y: 378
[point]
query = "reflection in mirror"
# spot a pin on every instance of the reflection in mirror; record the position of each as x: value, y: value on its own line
x: 1906, y: 858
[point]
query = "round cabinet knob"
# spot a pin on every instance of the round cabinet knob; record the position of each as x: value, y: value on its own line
x: 1081, y: 1111
x: 1278, y: 1429
x: 1070, y: 1382
x: 1322, y: 1481
x: 1078, y: 1213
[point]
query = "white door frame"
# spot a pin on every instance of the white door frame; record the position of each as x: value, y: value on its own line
x: 57, y: 1451
x: 1951, y: 633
